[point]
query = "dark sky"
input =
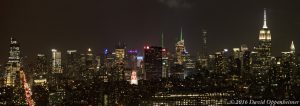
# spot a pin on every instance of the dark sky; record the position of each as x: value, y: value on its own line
x: 40, y: 25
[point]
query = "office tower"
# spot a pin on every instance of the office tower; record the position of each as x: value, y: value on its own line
x: 14, y: 63
x: 140, y: 67
x: 245, y: 64
x: 287, y: 72
x: 119, y: 62
x: 189, y: 68
x: 236, y: 62
x: 90, y: 65
x: 264, y: 45
x: 120, y: 52
x: 40, y: 70
x: 108, y: 62
x: 130, y: 64
x: 73, y: 65
x: 56, y: 61
x: 262, y: 64
x: 221, y: 62
x: 180, y: 50
x: 56, y: 80
x: 153, y: 62
x: 132, y: 59
x: 89, y: 60
x: 165, y: 63
x: 165, y: 59
x: 203, y: 56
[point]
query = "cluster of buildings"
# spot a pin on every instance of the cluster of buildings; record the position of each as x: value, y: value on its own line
x: 153, y: 76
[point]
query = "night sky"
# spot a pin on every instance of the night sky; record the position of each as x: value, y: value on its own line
x: 40, y: 25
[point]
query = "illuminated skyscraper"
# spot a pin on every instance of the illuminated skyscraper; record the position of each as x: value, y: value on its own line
x: 293, y: 50
x: 40, y: 69
x: 165, y: 59
x: 130, y: 64
x: 153, y: 62
x: 56, y: 61
x: 119, y: 61
x: 13, y: 64
x: 264, y: 44
x: 261, y: 62
x: 120, y: 52
x: 203, y: 56
x: 180, y: 50
x: 90, y: 60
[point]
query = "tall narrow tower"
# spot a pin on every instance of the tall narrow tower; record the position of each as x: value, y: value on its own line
x: 180, y: 49
x: 162, y: 40
x: 14, y: 63
x: 204, y: 44
x: 261, y: 60
x: 56, y: 61
x: 292, y: 47
x: 264, y: 46
x: 165, y: 63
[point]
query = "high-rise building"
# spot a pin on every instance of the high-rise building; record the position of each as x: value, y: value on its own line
x: 262, y: 64
x: 165, y: 63
x: 203, y: 56
x: 119, y: 62
x: 153, y: 62
x: 264, y: 45
x: 292, y: 48
x: 165, y: 59
x: 14, y: 63
x: 180, y: 50
x: 73, y: 65
x: 130, y: 64
x: 56, y: 61
x: 40, y: 70
x: 91, y: 64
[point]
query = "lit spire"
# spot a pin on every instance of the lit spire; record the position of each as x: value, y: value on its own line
x: 181, y: 34
x: 265, y: 19
x: 11, y: 37
x: 292, y: 47
x: 162, y: 39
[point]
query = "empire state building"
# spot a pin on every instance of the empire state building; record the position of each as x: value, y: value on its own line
x: 264, y: 44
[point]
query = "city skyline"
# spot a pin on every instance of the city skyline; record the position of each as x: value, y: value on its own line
x: 143, y: 30
x: 149, y: 52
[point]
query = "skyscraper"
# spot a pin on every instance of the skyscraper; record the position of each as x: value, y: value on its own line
x: 261, y: 62
x: 180, y: 50
x: 203, y: 53
x: 165, y: 59
x: 153, y: 62
x: 119, y: 61
x: 73, y: 65
x: 56, y: 61
x: 292, y: 48
x: 14, y: 63
x: 264, y: 43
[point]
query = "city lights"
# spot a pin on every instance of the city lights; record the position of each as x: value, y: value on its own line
x: 162, y: 72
